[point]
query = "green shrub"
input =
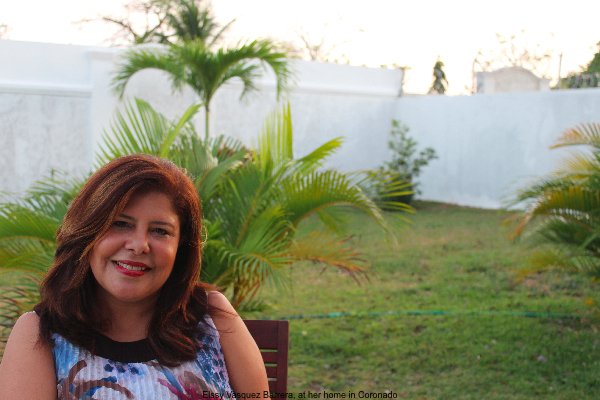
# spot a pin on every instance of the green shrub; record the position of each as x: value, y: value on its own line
x: 405, y: 164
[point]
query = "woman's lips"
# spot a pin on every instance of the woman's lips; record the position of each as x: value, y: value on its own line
x: 131, y: 268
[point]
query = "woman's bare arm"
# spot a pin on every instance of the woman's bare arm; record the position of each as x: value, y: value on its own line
x: 27, y: 368
x: 245, y: 366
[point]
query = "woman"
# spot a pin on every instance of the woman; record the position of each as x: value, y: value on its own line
x: 122, y: 313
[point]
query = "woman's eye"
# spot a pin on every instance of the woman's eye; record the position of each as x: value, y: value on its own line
x: 121, y: 224
x: 161, y: 231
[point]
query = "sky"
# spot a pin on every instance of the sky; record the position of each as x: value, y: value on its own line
x: 412, y: 33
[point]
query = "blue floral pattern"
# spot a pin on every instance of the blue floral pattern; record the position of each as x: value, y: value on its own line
x: 81, y: 376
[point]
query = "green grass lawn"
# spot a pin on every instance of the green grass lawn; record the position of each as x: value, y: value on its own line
x: 455, y: 259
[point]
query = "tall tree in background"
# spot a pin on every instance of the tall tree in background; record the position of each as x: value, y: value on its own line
x: 164, y: 21
x: 130, y: 30
x: 191, y: 20
x: 194, y: 64
x: 588, y: 77
x: 440, y: 83
x: 190, y: 30
x: 593, y: 67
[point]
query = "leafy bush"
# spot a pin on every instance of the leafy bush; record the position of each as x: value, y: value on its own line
x: 405, y: 164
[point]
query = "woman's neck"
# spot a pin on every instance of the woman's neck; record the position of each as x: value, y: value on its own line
x: 128, y: 322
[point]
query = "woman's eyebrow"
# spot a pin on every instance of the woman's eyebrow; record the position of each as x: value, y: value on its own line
x: 124, y: 216
x: 162, y: 223
x: 127, y: 217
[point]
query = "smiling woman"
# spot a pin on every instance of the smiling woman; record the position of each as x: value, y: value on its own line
x: 132, y: 261
x: 122, y: 309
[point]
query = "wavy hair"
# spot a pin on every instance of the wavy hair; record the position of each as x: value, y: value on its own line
x: 68, y: 302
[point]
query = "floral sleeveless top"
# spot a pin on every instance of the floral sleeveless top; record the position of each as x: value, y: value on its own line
x: 128, y: 371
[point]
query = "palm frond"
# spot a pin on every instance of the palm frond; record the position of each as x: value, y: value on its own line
x: 211, y: 181
x: 175, y: 129
x: 316, y: 159
x: 26, y: 239
x: 562, y: 218
x: 275, y: 142
x: 561, y: 259
x: 191, y: 22
x: 330, y: 251
x: 142, y: 130
x: 219, y: 34
x: 244, y: 196
x: 384, y: 188
x: 21, y: 222
x: 225, y: 146
x: 275, y: 151
x: 583, y: 134
x: 305, y: 196
x: 267, y: 53
x: 205, y: 71
x: 578, y: 167
x: 246, y: 72
x: 576, y: 202
x: 27, y: 255
x: 257, y: 258
x: 138, y: 59
x: 583, y: 234
x: 50, y: 196
x: 15, y: 300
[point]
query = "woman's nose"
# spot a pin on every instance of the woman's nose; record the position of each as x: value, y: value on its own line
x: 138, y: 243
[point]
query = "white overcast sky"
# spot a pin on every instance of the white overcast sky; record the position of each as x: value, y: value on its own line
x: 405, y: 32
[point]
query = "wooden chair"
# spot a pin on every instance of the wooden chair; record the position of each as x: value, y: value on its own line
x: 272, y: 338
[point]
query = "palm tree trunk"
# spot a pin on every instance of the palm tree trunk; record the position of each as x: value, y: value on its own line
x: 206, y: 115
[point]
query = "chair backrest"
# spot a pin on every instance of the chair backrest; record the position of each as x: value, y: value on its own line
x: 272, y: 338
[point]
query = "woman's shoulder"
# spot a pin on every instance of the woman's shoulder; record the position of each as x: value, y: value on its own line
x: 27, y: 327
x: 219, y: 301
x: 243, y: 359
x: 26, y: 356
x: 220, y: 310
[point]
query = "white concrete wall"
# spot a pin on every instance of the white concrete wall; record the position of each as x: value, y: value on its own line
x: 491, y: 143
x: 56, y: 102
x: 328, y: 101
x: 42, y: 107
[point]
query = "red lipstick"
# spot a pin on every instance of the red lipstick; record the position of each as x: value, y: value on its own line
x: 129, y: 272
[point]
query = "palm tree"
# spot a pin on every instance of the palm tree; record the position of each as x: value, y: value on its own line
x: 562, y: 216
x: 190, y: 20
x: 252, y: 201
x: 194, y: 64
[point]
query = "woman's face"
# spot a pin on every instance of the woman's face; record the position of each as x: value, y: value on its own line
x: 134, y: 258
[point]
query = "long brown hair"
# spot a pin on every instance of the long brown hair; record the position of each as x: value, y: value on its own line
x: 68, y: 306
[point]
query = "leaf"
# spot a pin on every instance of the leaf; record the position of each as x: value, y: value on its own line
x: 142, y: 130
x: 15, y: 300
x: 583, y: 134
x: 330, y: 251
